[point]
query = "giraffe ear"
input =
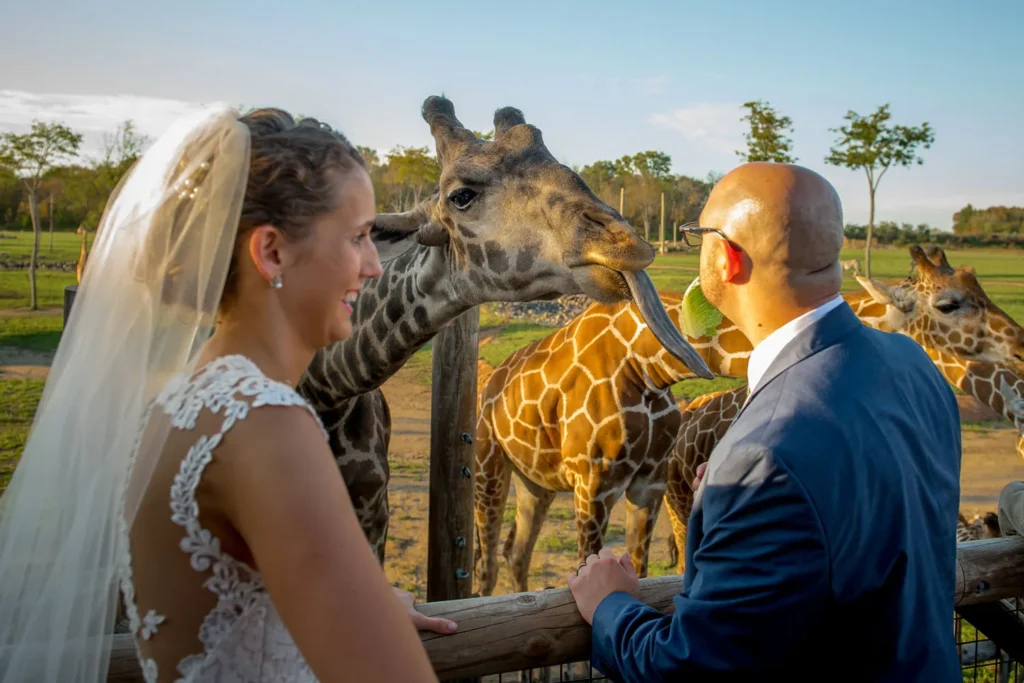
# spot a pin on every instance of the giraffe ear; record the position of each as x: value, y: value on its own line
x: 396, y: 233
x: 884, y: 293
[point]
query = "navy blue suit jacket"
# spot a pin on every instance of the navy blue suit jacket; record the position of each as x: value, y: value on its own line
x: 822, y: 543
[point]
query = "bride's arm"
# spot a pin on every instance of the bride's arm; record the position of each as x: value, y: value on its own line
x: 282, y: 490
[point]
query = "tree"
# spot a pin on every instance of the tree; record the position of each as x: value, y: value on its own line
x: 121, y: 149
x: 412, y: 169
x: 765, y: 141
x: 31, y: 155
x: 11, y: 191
x: 870, y: 143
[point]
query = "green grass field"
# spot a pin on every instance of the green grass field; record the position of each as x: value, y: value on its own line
x: 17, y: 246
x: 18, y: 401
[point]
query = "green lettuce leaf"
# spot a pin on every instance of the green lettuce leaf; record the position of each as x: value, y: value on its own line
x: 697, y: 317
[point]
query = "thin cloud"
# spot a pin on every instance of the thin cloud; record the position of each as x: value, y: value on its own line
x: 652, y: 85
x: 91, y: 115
x: 713, y: 125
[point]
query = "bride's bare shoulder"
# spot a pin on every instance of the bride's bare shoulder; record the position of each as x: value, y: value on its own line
x: 275, y: 436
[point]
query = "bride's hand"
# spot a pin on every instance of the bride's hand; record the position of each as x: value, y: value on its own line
x: 420, y: 621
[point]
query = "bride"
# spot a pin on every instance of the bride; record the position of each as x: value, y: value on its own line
x: 180, y: 467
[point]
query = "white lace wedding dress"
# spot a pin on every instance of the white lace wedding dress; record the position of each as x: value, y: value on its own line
x: 198, y: 614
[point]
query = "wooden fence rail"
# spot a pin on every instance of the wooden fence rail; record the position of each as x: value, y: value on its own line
x: 526, y: 630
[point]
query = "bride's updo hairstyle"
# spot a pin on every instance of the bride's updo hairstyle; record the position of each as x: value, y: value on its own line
x: 294, y: 171
x: 290, y: 170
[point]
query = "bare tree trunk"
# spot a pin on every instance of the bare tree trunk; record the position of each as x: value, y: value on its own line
x: 33, y: 206
x: 51, y: 220
x: 661, y: 228
x: 622, y: 200
x: 672, y: 221
x: 871, y: 235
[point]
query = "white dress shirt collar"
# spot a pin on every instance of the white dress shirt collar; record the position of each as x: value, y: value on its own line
x: 772, y: 345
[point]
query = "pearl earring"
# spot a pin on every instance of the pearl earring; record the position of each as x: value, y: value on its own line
x: 276, y: 282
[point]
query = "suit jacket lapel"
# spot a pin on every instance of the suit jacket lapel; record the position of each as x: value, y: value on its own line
x: 819, y: 336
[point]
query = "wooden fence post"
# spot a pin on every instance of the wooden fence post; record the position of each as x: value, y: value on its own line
x: 661, y: 228
x: 452, y: 459
x: 69, y: 299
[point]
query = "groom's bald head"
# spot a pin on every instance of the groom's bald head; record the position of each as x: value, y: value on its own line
x: 785, y: 223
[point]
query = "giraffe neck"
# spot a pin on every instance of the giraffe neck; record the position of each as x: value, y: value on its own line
x: 727, y: 352
x: 983, y: 382
x: 395, y: 315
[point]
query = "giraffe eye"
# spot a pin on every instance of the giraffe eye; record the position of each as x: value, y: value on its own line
x: 462, y: 198
x: 947, y: 307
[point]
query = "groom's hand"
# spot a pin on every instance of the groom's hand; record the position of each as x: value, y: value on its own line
x: 601, y: 576
x: 700, y: 475
x: 421, y: 621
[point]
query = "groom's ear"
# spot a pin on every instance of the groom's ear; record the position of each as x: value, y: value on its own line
x: 395, y: 233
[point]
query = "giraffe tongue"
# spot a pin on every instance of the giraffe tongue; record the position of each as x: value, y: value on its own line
x: 653, y: 311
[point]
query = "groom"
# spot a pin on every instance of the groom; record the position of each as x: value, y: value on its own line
x: 822, y: 541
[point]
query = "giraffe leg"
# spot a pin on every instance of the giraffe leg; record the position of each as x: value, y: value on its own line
x: 643, y: 501
x: 678, y: 501
x: 532, y: 505
x: 592, y: 513
x: 493, y: 475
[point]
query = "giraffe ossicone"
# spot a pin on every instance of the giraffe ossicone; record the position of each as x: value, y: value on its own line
x: 507, y: 222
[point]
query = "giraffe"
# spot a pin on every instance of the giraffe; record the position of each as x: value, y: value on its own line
x: 82, y: 255
x: 589, y: 408
x: 1011, y: 390
x: 977, y: 529
x: 852, y: 265
x: 586, y: 409
x: 507, y: 222
x: 707, y: 418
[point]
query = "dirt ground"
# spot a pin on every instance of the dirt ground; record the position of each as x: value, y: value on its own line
x: 989, y: 461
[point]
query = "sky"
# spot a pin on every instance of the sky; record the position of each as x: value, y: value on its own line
x: 600, y: 79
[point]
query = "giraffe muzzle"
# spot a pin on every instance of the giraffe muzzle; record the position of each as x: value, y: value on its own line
x: 645, y: 295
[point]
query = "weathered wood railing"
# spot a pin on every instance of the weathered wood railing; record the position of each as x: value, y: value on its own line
x: 526, y: 630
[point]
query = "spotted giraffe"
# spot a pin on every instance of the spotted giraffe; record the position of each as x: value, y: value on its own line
x: 706, y: 419
x: 977, y: 529
x: 589, y: 408
x: 1011, y: 390
x: 507, y: 222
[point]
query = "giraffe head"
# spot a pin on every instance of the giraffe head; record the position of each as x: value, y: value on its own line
x: 1014, y: 402
x: 945, y: 308
x: 517, y: 225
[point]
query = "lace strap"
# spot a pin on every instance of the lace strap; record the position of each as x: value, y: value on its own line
x: 232, y: 387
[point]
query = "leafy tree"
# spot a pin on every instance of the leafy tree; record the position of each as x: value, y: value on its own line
x: 489, y: 135
x: 995, y: 220
x: 412, y: 169
x: 870, y: 143
x: 122, y: 148
x: 765, y: 140
x: 31, y: 156
x: 11, y: 190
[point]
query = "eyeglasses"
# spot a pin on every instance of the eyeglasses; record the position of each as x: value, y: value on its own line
x: 692, y: 233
